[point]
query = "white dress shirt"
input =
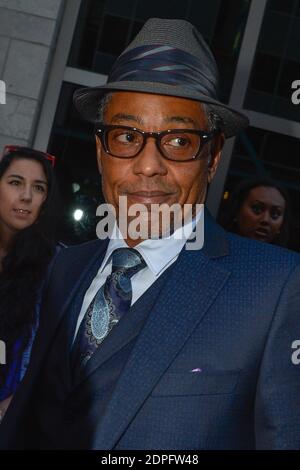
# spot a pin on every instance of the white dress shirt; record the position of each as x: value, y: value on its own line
x: 158, y: 254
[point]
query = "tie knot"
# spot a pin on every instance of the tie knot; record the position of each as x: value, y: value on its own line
x: 128, y: 261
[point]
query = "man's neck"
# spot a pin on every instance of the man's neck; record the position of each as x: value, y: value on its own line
x: 189, y: 219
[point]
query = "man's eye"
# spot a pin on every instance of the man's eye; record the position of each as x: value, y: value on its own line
x: 126, y: 138
x: 179, y: 142
x: 14, y: 182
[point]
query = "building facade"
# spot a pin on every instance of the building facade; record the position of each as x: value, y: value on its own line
x: 50, y: 48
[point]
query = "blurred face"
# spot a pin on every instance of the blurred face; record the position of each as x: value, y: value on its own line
x: 149, y: 178
x: 23, y: 189
x: 261, y: 216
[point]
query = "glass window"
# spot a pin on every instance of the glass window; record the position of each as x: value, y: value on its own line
x: 73, y: 142
x: 277, y: 61
x: 103, y: 30
x: 279, y: 5
x: 260, y: 153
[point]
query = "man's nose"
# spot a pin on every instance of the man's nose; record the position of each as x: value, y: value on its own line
x: 150, y: 162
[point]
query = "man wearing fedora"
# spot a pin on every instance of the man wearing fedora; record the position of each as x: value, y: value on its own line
x: 144, y: 344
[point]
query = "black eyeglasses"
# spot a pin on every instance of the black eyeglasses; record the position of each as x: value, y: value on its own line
x: 180, y: 145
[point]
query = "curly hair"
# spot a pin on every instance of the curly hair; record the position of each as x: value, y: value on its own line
x: 25, y: 266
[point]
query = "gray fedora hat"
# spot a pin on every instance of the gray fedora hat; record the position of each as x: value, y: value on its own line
x: 167, y: 57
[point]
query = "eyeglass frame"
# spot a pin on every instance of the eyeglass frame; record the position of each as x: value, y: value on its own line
x: 101, y: 131
x: 10, y: 149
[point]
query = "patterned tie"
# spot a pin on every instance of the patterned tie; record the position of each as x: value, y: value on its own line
x: 110, y: 303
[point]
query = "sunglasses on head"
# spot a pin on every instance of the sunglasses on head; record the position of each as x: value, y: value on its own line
x: 11, y: 149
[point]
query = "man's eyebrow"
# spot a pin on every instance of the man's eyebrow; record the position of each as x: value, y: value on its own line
x: 126, y: 117
x: 22, y: 178
x: 180, y: 120
x: 131, y: 117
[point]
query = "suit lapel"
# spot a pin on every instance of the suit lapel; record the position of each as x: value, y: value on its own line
x: 85, y: 272
x: 189, y: 291
x: 126, y: 330
x: 84, y: 269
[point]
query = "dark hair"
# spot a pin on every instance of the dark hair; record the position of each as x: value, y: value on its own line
x: 240, y: 194
x: 24, y: 267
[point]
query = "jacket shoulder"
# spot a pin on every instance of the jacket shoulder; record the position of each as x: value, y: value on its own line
x: 83, y: 249
x: 244, y: 250
x: 71, y: 259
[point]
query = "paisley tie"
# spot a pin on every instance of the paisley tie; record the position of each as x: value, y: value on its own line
x: 110, y: 303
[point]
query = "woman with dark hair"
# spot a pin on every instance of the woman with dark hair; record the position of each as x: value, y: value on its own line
x: 28, y: 205
x: 259, y: 209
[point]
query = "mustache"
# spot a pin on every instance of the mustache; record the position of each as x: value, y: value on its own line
x: 134, y: 187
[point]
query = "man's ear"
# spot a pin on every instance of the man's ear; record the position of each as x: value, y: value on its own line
x: 99, y: 154
x: 215, y: 157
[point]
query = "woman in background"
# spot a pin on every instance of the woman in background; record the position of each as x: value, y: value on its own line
x: 259, y: 209
x: 28, y: 206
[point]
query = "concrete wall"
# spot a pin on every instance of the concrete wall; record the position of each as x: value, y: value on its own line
x: 28, y: 32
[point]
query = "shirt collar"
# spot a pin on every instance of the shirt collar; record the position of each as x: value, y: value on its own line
x: 156, y: 253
